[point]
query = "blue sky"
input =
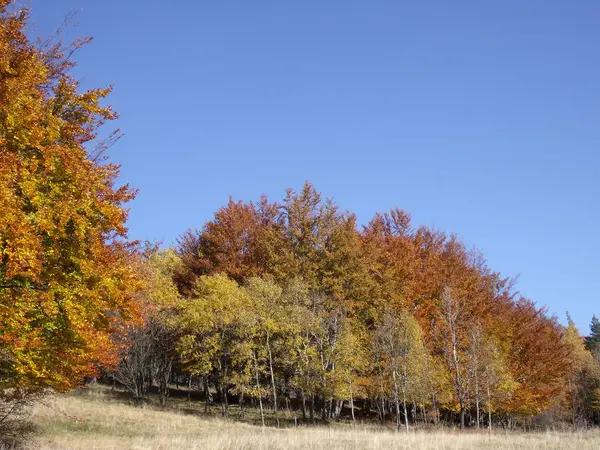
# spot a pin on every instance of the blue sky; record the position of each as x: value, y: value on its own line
x: 479, y: 118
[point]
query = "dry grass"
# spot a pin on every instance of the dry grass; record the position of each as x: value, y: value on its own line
x: 95, y: 422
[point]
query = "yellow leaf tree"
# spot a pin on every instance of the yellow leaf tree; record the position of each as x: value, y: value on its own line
x: 65, y: 273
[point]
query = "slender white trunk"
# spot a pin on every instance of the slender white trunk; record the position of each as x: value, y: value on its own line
x: 272, y: 375
x: 396, y: 401
x: 489, y: 409
x: 382, y: 397
x: 477, y: 399
x: 351, y: 400
x: 404, y: 398
x: 262, y: 414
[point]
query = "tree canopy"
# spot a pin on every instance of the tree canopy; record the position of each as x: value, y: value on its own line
x: 65, y: 272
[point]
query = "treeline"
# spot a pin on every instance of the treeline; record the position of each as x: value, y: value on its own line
x: 292, y: 305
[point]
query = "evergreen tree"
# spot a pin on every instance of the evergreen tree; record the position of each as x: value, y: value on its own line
x: 592, y: 342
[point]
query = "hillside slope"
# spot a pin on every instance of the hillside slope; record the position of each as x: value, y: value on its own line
x: 94, y: 421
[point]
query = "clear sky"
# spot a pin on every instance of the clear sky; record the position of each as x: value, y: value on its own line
x: 478, y: 117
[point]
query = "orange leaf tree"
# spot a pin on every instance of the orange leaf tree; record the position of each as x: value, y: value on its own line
x: 65, y: 277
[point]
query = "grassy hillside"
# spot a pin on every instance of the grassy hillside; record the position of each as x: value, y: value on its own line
x: 95, y: 421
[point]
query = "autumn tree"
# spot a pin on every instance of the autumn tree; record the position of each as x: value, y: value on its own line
x: 393, y: 263
x: 149, y: 346
x: 493, y: 385
x: 399, y: 343
x: 318, y: 237
x: 66, y: 280
x: 269, y: 319
x: 303, y: 353
x: 239, y: 241
x: 538, y: 360
x: 212, y: 329
x: 453, y: 343
x: 583, y: 377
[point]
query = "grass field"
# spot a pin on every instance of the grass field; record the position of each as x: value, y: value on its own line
x: 94, y: 421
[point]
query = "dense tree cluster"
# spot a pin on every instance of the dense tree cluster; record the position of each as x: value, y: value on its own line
x: 292, y: 304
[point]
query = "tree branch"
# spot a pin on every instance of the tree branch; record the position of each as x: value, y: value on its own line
x: 32, y: 286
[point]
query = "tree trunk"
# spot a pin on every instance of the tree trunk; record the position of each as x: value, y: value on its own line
x: 396, y: 401
x: 262, y: 414
x: 404, y: 380
x: 225, y: 384
x: 224, y: 406
x: 338, y: 409
x: 405, y: 415
x: 206, y: 394
x: 573, y: 404
x: 382, y: 398
x: 462, y: 414
x: 241, y: 403
x: 163, y: 382
x: 272, y: 375
x: 477, y: 400
x: 351, y: 403
x: 303, y: 403
x: 489, y: 409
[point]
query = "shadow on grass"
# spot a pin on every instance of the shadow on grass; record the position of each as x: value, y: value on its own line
x: 192, y: 403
